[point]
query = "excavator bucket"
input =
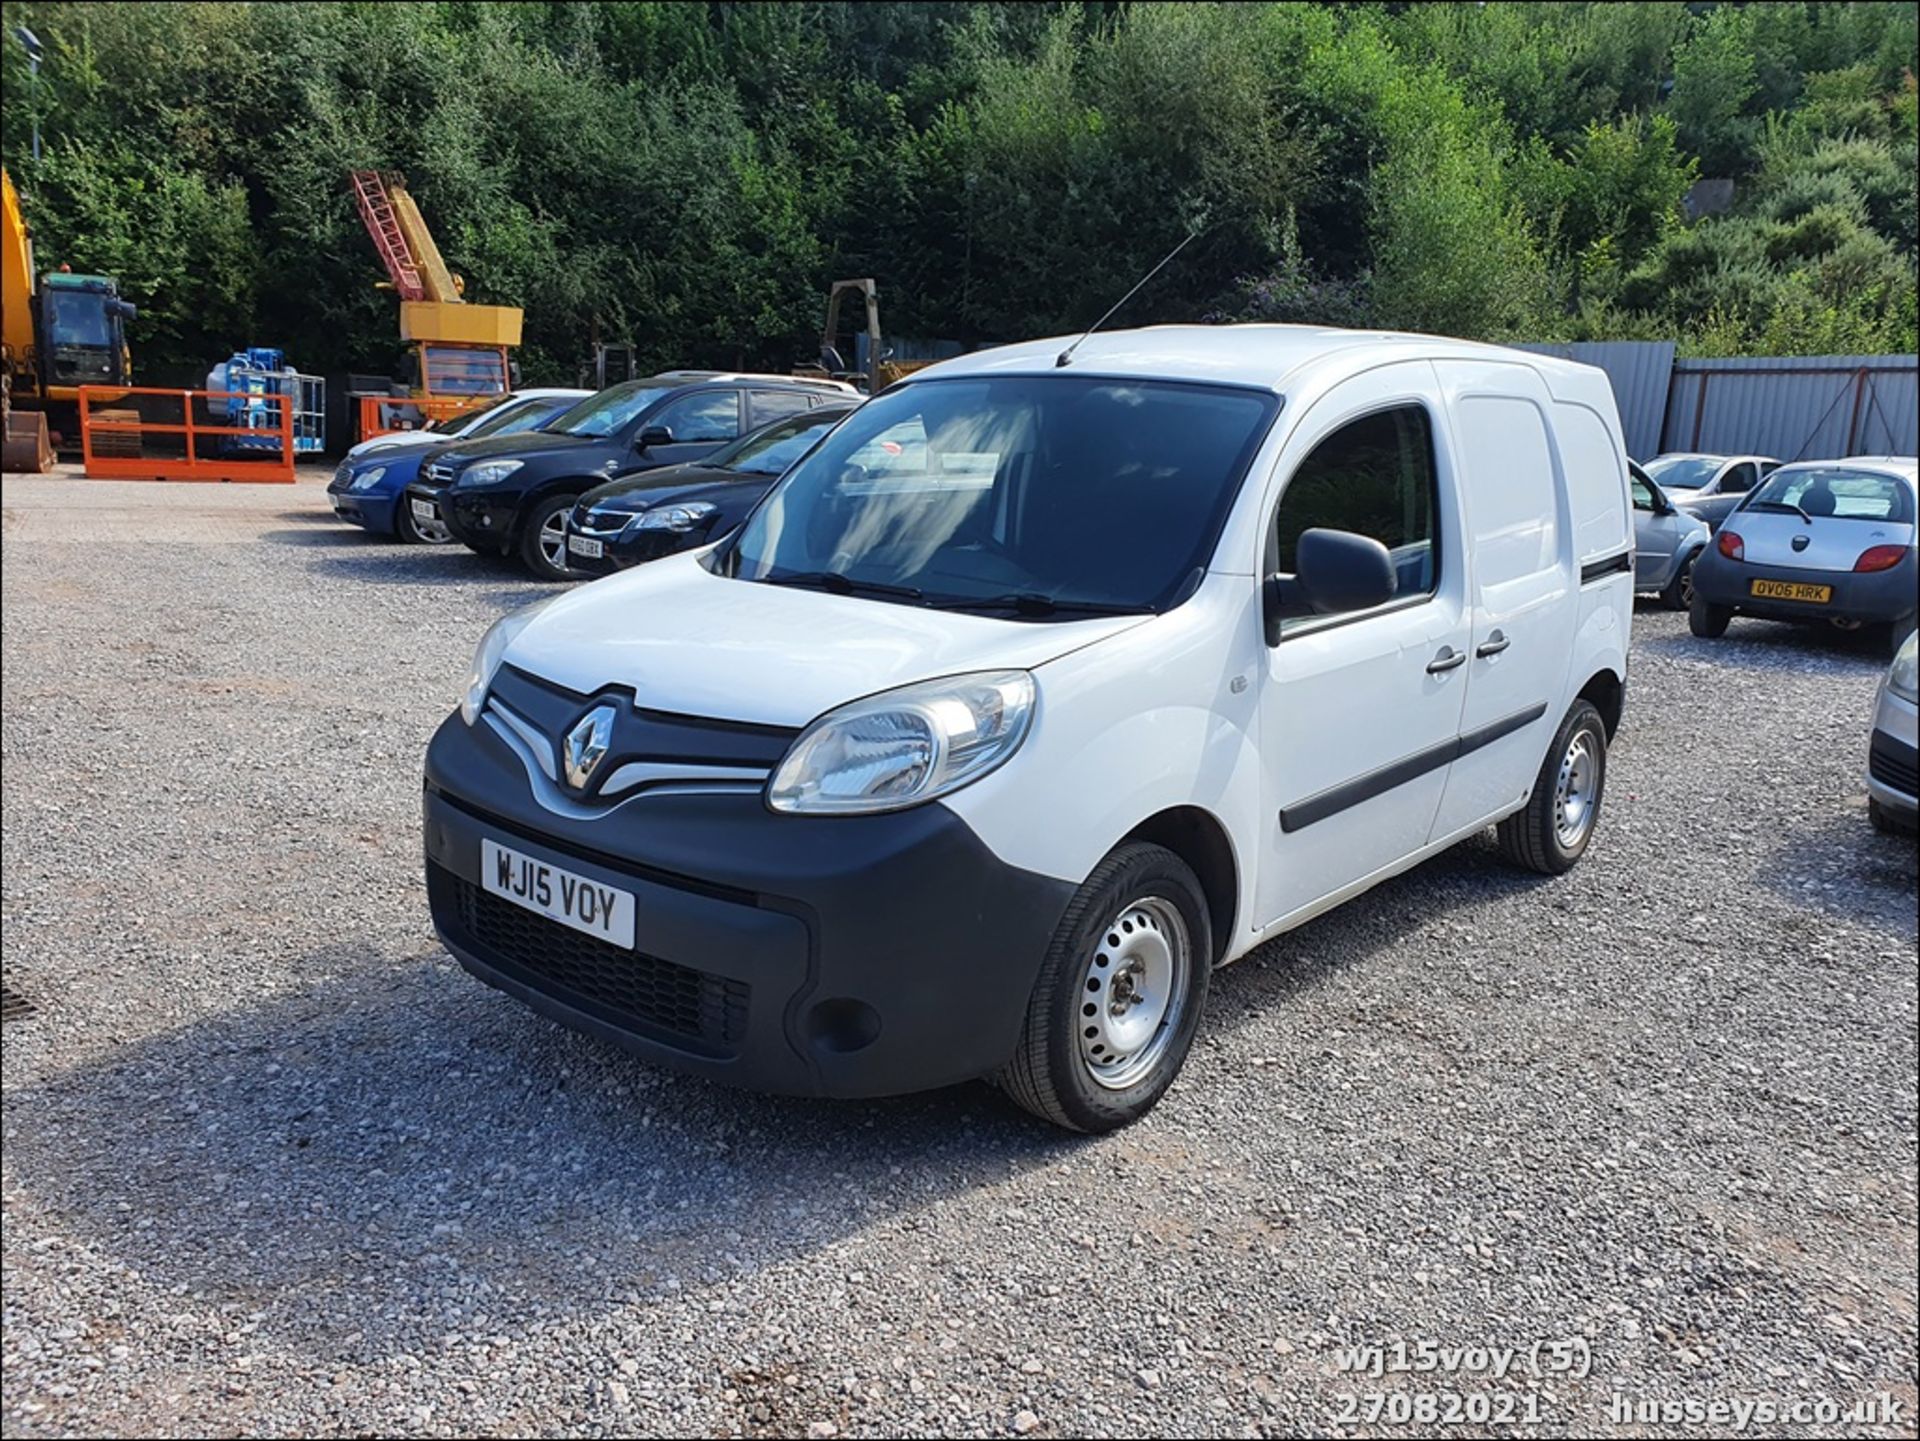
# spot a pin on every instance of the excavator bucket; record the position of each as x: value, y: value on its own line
x: 28, y: 447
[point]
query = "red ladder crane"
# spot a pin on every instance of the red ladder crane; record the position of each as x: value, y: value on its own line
x: 376, y: 209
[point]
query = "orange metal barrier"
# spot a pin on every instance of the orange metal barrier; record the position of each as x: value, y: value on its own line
x: 383, y: 414
x: 122, y: 443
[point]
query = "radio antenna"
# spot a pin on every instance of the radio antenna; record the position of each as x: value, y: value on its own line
x: 1066, y: 355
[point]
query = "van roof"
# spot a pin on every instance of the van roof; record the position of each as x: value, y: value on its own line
x: 1260, y: 355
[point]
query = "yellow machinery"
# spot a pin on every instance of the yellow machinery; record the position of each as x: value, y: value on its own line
x: 460, y: 348
x: 58, y: 332
x: 881, y: 370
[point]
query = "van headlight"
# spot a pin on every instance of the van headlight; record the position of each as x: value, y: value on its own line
x: 1904, y: 678
x: 367, y: 479
x: 488, y: 654
x: 905, y: 746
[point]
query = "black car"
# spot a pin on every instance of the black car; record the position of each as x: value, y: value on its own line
x: 651, y: 513
x: 510, y: 494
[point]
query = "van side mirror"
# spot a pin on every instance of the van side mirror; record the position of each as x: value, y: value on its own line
x: 654, y: 435
x: 1335, y: 571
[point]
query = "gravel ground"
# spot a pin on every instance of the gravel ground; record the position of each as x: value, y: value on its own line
x: 274, y: 1164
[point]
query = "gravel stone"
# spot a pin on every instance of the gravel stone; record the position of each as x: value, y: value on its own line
x: 273, y: 1164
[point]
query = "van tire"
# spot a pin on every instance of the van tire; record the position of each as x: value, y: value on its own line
x: 1708, y: 621
x: 1534, y: 836
x: 1049, y: 1073
x: 532, y: 540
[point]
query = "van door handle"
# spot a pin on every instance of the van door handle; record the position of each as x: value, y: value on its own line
x: 1493, y: 645
x: 1448, y: 659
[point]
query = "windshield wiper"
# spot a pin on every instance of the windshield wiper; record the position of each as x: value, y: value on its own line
x: 835, y: 583
x: 1035, y: 604
x: 1779, y: 505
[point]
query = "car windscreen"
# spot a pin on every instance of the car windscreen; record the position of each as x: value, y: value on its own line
x: 466, y: 420
x: 527, y: 415
x: 599, y: 416
x: 1037, y: 496
x: 1838, y: 492
x: 1684, y: 472
x: 772, y: 448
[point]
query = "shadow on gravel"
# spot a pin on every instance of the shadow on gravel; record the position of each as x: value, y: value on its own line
x: 1462, y: 878
x: 399, y: 1147
x: 1775, y: 645
x: 338, y: 533
x: 311, y: 517
x: 1841, y: 865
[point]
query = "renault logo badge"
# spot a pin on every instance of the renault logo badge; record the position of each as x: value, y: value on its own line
x: 586, y: 745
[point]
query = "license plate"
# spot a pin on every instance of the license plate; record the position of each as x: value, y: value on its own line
x: 583, y: 546
x: 573, y: 900
x: 1792, y: 590
x: 423, y: 509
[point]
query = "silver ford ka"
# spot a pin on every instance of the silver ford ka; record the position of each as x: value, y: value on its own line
x: 1828, y: 541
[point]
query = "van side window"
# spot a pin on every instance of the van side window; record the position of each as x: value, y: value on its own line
x: 1375, y: 477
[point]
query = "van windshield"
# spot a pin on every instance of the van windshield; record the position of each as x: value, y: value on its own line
x: 1036, y: 497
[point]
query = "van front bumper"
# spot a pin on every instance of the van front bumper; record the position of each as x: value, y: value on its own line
x: 827, y: 956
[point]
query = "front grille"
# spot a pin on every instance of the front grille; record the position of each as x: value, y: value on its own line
x: 437, y: 474
x: 603, y: 522
x: 631, y: 989
x: 342, y: 476
x: 1893, y: 764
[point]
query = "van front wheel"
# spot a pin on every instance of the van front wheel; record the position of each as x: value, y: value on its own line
x: 1119, y: 996
x: 1552, y: 830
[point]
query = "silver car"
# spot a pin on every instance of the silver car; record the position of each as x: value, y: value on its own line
x: 1666, y: 543
x: 1709, y: 485
x: 1827, y: 541
x: 1893, y: 756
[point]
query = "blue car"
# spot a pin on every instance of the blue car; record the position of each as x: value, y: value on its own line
x: 369, y: 487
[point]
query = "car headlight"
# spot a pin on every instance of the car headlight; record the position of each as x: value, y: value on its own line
x: 367, y: 479
x: 673, y: 517
x: 488, y: 654
x: 487, y: 472
x: 1904, y: 679
x: 905, y: 746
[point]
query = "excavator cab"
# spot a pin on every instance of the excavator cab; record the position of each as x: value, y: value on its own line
x: 81, y: 333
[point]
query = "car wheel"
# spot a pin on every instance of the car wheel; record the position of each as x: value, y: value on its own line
x: 543, y: 540
x: 1119, y: 996
x: 415, y: 531
x: 1708, y: 621
x: 1552, y: 830
x: 1678, y: 594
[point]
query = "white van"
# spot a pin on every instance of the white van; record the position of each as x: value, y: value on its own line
x: 1043, y: 686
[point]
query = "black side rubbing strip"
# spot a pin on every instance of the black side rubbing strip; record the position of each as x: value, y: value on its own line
x: 1595, y: 569
x: 1351, y: 793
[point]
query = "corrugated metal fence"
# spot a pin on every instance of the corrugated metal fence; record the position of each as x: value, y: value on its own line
x: 1796, y: 407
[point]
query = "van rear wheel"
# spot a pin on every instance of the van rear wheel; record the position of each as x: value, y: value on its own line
x: 1119, y: 996
x: 1550, y: 833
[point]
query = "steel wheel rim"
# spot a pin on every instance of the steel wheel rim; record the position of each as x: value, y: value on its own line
x: 1573, y: 792
x: 1686, y: 584
x: 1133, y: 995
x: 553, y: 540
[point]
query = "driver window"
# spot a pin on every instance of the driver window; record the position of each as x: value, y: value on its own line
x: 1375, y: 477
x: 1642, y: 495
x: 1740, y: 479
